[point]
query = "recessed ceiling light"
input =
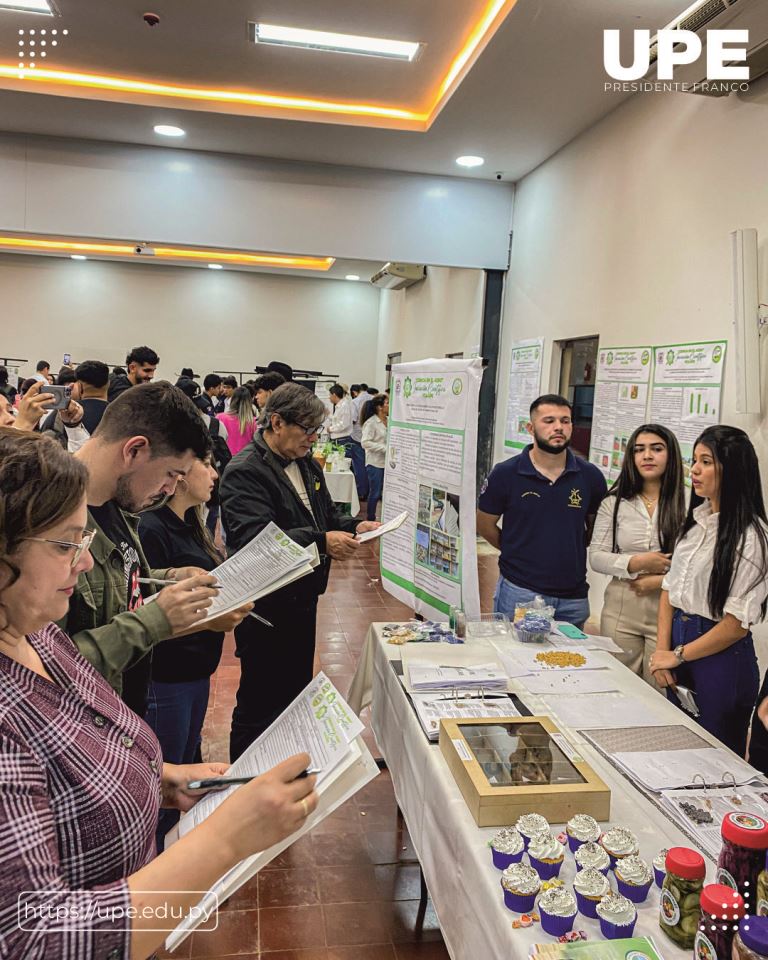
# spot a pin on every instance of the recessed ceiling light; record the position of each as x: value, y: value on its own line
x: 215, y: 266
x: 470, y: 161
x: 165, y: 130
x: 27, y: 6
x: 333, y: 42
x: 351, y: 276
x: 77, y: 256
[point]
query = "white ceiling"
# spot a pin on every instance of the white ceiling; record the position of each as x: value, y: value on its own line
x: 538, y: 83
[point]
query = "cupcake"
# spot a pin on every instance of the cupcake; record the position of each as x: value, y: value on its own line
x: 592, y: 855
x: 590, y: 886
x: 660, y: 867
x: 582, y: 829
x: 617, y: 917
x: 546, y: 855
x: 506, y: 848
x: 520, y: 884
x: 530, y: 824
x: 619, y: 842
x: 633, y: 876
x: 557, y: 908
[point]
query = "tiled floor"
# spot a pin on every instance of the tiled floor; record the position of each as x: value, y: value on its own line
x: 349, y: 890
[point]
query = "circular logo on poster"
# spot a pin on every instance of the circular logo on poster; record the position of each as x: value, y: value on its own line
x: 610, y: 359
x: 457, y: 386
x: 717, y: 354
x: 645, y: 357
x: 670, y: 356
x: 408, y: 387
x: 398, y: 386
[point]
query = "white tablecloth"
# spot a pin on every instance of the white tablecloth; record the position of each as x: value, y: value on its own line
x: 462, y: 881
x: 343, y: 489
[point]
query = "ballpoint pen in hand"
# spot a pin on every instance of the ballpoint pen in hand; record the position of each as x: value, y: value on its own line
x: 260, y: 619
x: 215, y: 783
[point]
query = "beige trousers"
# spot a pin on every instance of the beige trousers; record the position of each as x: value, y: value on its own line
x: 632, y: 622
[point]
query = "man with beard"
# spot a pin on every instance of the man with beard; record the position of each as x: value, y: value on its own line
x: 548, y: 498
x: 147, y: 439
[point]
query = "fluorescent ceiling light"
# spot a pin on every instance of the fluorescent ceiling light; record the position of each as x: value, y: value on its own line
x: 27, y: 6
x: 215, y: 266
x: 334, y: 42
x: 78, y: 256
x: 168, y: 131
x: 351, y: 276
x: 470, y: 161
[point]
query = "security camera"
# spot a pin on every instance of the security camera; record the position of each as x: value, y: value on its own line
x: 151, y: 19
x: 499, y: 174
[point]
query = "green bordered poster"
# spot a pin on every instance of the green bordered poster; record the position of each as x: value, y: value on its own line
x: 621, y: 398
x: 686, y: 395
x: 524, y: 387
x: 430, y: 562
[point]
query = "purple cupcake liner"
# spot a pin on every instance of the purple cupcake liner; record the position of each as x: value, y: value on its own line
x: 616, y: 931
x: 587, y: 906
x: 556, y: 926
x: 659, y: 876
x: 573, y: 843
x: 502, y: 860
x: 546, y: 871
x: 518, y: 902
x: 633, y: 892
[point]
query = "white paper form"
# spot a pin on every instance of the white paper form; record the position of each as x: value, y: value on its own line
x: 701, y: 812
x: 568, y: 683
x: 600, y: 710
x: 428, y: 676
x: 431, y: 710
x: 672, y: 769
x: 388, y: 527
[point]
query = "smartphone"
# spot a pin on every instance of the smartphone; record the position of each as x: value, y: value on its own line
x: 67, y: 359
x: 62, y: 394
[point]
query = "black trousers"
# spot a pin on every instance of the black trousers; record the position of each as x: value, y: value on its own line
x: 275, y: 666
x: 758, y: 740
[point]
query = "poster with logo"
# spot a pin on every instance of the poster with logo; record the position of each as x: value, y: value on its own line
x: 430, y: 562
x: 687, y: 388
x: 621, y: 397
x: 524, y: 387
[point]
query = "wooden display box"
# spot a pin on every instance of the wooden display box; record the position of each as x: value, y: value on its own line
x: 507, y: 766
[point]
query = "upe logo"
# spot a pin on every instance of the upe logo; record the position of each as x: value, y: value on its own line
x: 677, y: 48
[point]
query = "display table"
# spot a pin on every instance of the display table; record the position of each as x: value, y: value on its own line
x: 343, y: 489
x: 463, y: 884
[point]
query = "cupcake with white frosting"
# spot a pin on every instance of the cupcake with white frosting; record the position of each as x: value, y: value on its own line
x: 507, y: 847
x: 660, y: 867
x: 520, y: 884
x: 546, y: 855
x: 592, y: 855
x: 529, y: 825
x: 557, y: 908
x: 617, y: 917
x: 590, y: 886
x: 633, y: 876
x: 618, y: 842
x: 582, y: 829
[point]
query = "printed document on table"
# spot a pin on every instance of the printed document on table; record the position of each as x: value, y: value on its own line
x: 387, y: 527
x: 428, y: 676
x: 672, y: 769
x: 601, y: 710
x: 701, y: 812
x: 570, y: 682
x: 432, y: 709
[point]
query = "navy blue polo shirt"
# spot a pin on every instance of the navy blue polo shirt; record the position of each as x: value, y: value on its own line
x: 543, y: 543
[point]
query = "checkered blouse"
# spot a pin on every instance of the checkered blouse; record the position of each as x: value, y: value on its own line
x: 79, y: 799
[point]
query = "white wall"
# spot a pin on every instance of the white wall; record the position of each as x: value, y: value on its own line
x: 625, y: 233
x: 206, y: 319
x: 442, y: 315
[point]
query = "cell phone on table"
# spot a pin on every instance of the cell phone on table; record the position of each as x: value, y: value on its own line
x: 62, y: 394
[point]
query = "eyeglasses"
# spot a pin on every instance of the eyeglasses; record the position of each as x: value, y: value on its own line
x: 79, y: 548
x: 309, y: 430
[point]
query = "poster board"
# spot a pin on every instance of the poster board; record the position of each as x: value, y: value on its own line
x: 621, y: 400
x: 430, y: 562
x: 686, y: 395
x: 524, y: 387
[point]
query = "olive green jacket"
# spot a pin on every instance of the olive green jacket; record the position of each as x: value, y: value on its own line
x: 108, y: 635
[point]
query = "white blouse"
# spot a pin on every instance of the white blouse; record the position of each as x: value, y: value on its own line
x: 636, y: 532
x: 375, y: 442
x: 688, y: 577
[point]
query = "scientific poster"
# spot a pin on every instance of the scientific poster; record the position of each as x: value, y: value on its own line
x: 621, y: 397
x: 524, y: 387
x: 686, y: 392
x: 430, y: 562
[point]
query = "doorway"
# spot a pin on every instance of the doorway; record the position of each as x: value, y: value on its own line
x: 578, y: 364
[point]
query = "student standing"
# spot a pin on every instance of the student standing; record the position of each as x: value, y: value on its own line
x: 239, y: 421
x: 716, y: 588
x: 635, y: 530
x: 548, y: 498
x: 374, y: 441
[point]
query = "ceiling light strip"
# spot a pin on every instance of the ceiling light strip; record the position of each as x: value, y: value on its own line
x: 302, y: 39
x: 27, y: 6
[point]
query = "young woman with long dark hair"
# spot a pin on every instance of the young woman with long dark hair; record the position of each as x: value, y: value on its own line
x: 635, y: 530
x: 374, y: 421
x: 717, y: 588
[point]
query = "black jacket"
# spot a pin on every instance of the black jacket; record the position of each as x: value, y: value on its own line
x: 255, y: 490
x: 118, y: 385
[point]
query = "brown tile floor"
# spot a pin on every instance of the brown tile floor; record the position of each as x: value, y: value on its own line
x: 349, y: 890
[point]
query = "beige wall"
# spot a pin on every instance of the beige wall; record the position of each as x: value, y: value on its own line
x: 206, y: 319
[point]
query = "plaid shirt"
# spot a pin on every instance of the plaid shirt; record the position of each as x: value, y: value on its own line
x: 79, y: 799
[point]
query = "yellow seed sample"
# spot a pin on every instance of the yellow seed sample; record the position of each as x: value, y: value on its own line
x: 561, y: 658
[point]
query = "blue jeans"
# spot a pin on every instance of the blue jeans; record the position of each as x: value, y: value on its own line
x: 375, y: 487
x: 508, y: 595
x: 176, y: 711
x: 355, y: 452
x: 725, y: 684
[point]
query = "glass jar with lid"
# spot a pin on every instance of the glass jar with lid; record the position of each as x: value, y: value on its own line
x: 679, y: 907
x: 751, y: 940
x: 742, y: 855
x: 721, y: 909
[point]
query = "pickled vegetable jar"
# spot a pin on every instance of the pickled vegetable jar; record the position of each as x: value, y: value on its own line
x: 742, y: 855
x: 721, y: 909
x: 762, y: 891
x: 679, y: 909
x: 751, y: 940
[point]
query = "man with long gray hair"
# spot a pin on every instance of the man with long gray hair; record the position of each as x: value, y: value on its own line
x: 274, y: 478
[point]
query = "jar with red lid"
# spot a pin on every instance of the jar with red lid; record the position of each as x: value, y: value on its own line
x: 751, y: 940
x: 721, y: 909
x: 679, y: 907
x: 742, y: 855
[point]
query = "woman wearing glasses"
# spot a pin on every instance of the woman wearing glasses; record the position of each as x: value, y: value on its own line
x: 82, y: 775
x: 276, y: 479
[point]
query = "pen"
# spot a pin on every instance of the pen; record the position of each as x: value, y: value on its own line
x: 260, y: 619
x: 215, y: 783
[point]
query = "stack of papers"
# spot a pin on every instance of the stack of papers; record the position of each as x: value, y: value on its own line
x: 674, y: 769
x: 431, y: 709
x: 423, y: 676
x: 700, y: 812
x: 601, y: 710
